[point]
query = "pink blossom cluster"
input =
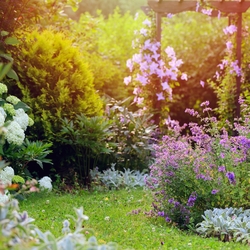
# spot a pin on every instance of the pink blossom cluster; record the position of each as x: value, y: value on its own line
x: 148, y: 64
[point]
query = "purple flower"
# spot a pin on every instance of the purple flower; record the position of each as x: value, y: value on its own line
x: 191, y: 200
x: 168, y: 219
x: 230, y: 29
x: 160, y: 96
x: 171, y: 200
x: 214, y: 191
x: 245, y: 142
x: 206, y: 103
x: 161, y: 214
x: 231, y: 177
x: 221, y: 169
x: 176, y: 204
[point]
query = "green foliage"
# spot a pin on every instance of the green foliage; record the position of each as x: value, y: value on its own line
x: 6, y: 61
x: 54, y: 80
x: 106, y: 45
x: 15, y: 13
x: 88, y: 137
x: 21, y: 156
x: 132, y: 132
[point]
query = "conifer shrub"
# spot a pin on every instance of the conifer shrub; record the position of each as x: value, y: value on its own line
x: 55, y: 81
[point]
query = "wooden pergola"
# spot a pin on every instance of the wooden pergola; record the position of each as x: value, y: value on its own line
x: 225, y: 7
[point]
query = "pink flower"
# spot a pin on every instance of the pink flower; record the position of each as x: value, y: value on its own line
x: 184, y: 76
x: 127, y: 80
x: 230, y: 29
x: 160, y: 96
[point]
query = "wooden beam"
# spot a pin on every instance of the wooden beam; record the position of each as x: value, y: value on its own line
x: 174, y: 7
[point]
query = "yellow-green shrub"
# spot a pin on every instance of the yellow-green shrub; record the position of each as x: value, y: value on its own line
x: 55, y: 81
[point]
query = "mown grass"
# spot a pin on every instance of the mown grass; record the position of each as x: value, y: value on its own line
x: 111, y: 219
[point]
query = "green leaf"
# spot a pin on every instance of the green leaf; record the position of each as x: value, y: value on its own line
x: 4, y: 33
x: 13, y: 75
x: 7, y: 56
x: 5, y: 69
x: 11, y: 41
x: 22, y: 105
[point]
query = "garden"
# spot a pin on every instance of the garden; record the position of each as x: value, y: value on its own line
x: 112, y: 139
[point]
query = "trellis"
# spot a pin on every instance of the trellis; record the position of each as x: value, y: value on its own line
x: 220, y: 7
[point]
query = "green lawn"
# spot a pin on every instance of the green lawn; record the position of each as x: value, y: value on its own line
x: 110, y: 219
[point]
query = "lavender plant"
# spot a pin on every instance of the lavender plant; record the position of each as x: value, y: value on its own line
x: 201, y: 170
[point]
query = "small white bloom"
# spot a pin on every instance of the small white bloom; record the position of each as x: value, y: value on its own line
x: 2, y: 119
x: 3, y: 88
x: 21, y: 118
x: 107, y: 218
x: 4, y: 198
x: 6, y: 175
x: 3, y: 112
x: 14, y: 134
x: 45, y: 183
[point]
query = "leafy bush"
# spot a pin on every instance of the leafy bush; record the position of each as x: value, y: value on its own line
x: 21, y: 156
x: 55, y: 82
x: 88, y: 138
x: 132, y: 133
x: 206, y: 169
x: 226, y: 224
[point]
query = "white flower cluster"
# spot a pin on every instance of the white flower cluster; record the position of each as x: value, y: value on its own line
x: 15, y: 121
x: 45, y: 183
x: 6, y: 176
x: 14, y: 133
x: 4, y: 197
x: 21, y: 118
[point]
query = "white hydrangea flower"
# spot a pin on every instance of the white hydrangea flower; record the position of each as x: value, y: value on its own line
x: 14, y: 134
x: 6, y: 175
x: 3, y: 88
x: 2, y: 111
x: 4, y: 198
x: 13, y: 99
x: 2, y: 119
x: 21, y: 118
x: 45, y: 183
